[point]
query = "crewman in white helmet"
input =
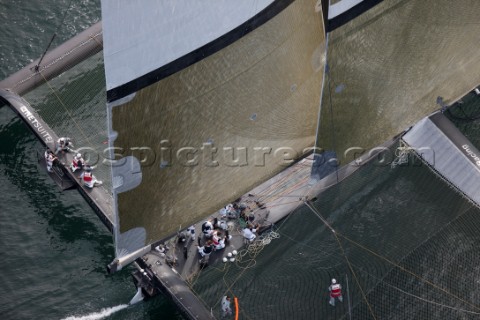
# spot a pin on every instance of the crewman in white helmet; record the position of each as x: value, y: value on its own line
x: 77, y: 162
x: 335, y: 292
x: 64, y: 144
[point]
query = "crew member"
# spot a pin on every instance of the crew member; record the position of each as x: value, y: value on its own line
x: 335, y: 292
x: 226, y: 308
x: 219, y: 242
x: 77, y: 162
x: 207, y: 229
x: 89, y: 180
x: 49, y: 158
x: 191, y: 231
x: 206, y: 249
x: 64, y: 144
x: 249, y: 232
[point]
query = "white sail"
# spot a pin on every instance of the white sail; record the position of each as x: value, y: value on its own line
x: 340, y: 7
x: 150, y: 34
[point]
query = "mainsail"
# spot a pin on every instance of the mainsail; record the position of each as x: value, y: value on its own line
x: 206, y: 100
x: 393, y: 65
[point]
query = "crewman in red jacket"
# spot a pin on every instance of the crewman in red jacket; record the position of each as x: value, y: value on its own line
x: 89, y: 180
x: 335, y: 292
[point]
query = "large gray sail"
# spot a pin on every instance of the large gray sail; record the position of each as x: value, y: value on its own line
x: 392, y: 65
x: 196, y: 131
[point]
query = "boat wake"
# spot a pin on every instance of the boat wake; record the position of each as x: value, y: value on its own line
x: 99, y: 315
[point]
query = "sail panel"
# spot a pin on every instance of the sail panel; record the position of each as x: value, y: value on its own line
x: 390, y: 66
x: 150, y: 34
x: 256, y: 101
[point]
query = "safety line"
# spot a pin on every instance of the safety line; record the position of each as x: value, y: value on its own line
x: 65, y: 107
x: 418, y: 297
x: 309, y: 205
x: 408, y: 271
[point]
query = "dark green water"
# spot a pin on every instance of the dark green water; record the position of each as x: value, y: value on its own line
x: 53, y: 247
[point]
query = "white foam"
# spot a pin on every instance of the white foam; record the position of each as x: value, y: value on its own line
x: 98, y: 315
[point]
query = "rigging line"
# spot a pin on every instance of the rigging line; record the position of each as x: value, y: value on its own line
x: 226, y: 268
x: 193, y: 279
x: 386, y: 259
x: 251, y: 262
x: 309, y: 205
x: 283, y: 222
x: 289, y: 187
x: 275, y: 189
x: 225, y: 271
x: 418, y: 297
x: 282, y: 204
x: 354, y: 275
x: 37, y: 67
x: 408, y: 271
x: 404, y: 269
x: 269, y: 206
x: 277, y: 193
x: 94, y: 38
x: 268, y: 189
x: 65, y: 107
x: 274, y: 198
x: 229, y: 288
x: 326, y: 250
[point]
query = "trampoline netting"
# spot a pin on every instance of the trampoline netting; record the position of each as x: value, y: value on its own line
x: 403, y: 248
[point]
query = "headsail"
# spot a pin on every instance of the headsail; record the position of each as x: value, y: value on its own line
x: 393, y: 64
x: 214, y: 97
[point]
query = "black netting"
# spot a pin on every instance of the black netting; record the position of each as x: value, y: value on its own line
x: 406, y: 235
